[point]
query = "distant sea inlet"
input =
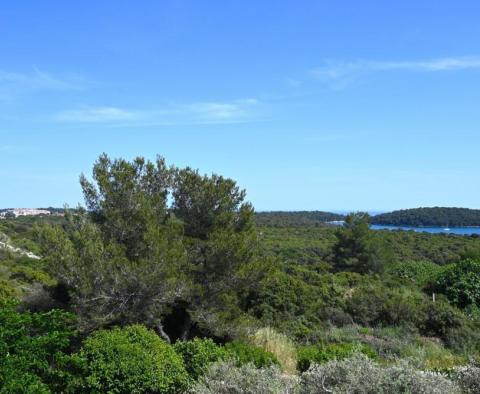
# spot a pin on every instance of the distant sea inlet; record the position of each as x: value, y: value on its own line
x: 433, y: 230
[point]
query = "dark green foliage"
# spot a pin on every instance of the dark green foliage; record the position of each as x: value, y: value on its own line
x: 460, y: 282
x: 356, y: 249
x: 422, y: 273
x: 103, y: 284
x: 437, y: 248
x: 7, y: 290
x: 471, y: 252
x: 452, y: 326
x: 154, y: 238
x: 434, y: 217
x: 128, y: 202
x: 33, y: 348
x: 291, y: 299
x: 313, y: 245
x: 302, y: 303
x: 130, y: 360
x: 296, y: 219
x: 320, y: 354
x: 30, y: 275
x: 244, y: 353
x: 299, y: 245
x: 375, y: 303
x: 220, y: 242
x: 198, y: 354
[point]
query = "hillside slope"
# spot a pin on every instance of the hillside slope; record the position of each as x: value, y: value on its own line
x: 296, y: 218
x: 435, y: 217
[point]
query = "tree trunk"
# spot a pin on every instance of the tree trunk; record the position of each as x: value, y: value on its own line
x: 162, y: 333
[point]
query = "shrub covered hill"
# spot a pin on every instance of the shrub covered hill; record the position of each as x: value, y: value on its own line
x: 296, y: 218
x: 434, y: 217
x: 165, y: 284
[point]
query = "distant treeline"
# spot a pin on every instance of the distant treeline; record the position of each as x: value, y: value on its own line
x: 435, y: 217
x: 296, y: 218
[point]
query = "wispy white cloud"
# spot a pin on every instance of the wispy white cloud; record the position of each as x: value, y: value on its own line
x: 203, y: 112
x: 97, y: 115
x: 13, y: 83
x: 344, y: 72
x: 218, y: 111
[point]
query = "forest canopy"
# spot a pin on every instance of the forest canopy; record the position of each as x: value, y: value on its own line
x: 434, y: 217
x: 296, y: 218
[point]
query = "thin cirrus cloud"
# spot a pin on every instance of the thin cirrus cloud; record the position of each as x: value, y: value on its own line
x: 14, y: 83
x: 218, y: 111
x: 341, y: 73
x: 207, y: 112
x: 96, y: 115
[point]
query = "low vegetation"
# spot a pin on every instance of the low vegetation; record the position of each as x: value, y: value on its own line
x: 165, y: 284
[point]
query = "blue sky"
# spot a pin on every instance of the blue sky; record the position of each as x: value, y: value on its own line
x: 325, y: 105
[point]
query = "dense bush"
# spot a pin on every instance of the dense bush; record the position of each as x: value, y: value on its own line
x: 360, y: 375
x: 244, y: 353
x: 7, y: 291
x: 228, y: 378
x: 373, y: 303
x: 320, y: 354
x: 461, y: 283
x: 33, y: 350
x: 312, y: 245
x: 197, y: 354
x: 421, y: 273
x: 30, y: 275
x: 356, y: 249
x: 131, y: 360
x: 282, y: 300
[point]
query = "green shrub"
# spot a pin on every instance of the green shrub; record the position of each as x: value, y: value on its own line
x: 460, y: 282
x: 33, y: 348
x: 7, y: 291
x: 320, y: 354
x: 30, y: 275
x: 450, y: 324
x: 131, y: 360
x: 244, y: 353
x: 197, y: 354
x: 421, y: 273
x: 373, y: 303
x: 464, y: 338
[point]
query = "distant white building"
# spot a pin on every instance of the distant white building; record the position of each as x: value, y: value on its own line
x: 25, y: 212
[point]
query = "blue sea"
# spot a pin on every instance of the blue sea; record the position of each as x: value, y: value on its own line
x: 433, y: 230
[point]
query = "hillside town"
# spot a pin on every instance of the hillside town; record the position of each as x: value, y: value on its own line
x: 16, y: 212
